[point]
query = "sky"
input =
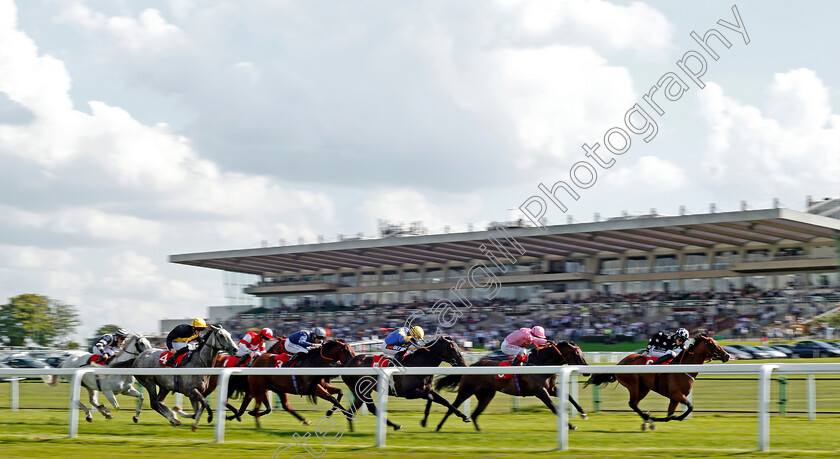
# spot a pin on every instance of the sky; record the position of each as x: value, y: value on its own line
x: 131, y: 131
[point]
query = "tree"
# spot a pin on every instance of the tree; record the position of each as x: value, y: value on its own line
x: 107, y: 328
x: 38, y: 318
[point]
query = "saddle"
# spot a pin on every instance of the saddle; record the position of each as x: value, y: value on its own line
x: 650, y: 360
x: 281, y: 359
x: 504, y: 363
x: 380, y: 361
x: 230, y: 361
x: 165, y: 357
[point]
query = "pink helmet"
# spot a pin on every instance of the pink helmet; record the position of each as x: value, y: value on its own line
x: 538, y: 331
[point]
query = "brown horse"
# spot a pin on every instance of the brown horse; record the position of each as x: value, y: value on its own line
x: 443, y: 349
x: 238, y: 386
x: 674, y: 386
x: 484, y: 387
x: 330, y: 353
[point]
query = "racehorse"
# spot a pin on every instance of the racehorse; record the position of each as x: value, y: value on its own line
x: 238, y: 386
x: 674, y: 386
x: 443, y: 349
x: 109, y: 385
x: 484, y: 387
x: 330, y: 353
x: 211, y: 341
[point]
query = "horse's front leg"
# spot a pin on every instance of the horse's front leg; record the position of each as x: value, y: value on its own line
x: 437, y: 398
x: 139, y: 395
x: 199, y: 403
x: 94, y: 402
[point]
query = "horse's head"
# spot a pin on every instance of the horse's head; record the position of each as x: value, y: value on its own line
x: 560, y: 353
x: 706, y: 346
x: 132, y: 347
x: 218, y: 339
x: 337, y: 350
x: 447, y: 350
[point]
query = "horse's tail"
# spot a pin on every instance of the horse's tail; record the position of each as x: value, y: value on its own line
x: 51, y: 380
x: 448, y: 382
x: 599, y: 379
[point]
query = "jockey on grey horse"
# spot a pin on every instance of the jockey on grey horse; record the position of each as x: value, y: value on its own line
x: 109, y: 385
x: 211, y: 341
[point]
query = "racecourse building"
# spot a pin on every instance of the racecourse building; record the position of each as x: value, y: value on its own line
x: 766, y: 249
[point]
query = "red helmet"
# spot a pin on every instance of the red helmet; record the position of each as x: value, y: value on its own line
x: 267, y: 333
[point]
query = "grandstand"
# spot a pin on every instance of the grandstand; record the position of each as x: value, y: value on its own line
x: 731, y: 262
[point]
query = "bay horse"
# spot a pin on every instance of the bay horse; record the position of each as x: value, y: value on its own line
x: 542, y: 386
x: 211, y: 341
x: 334, y: 352
x: 442, y: 349
x: 238, y: 386
x: 674, y: 386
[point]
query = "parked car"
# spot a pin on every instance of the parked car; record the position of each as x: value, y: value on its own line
x: 815, y: 349
x: 54, y: 361
x: 775, y: 353
x: 737, y: 354
x: 786, y: 348
x: 754, y: 351
x: 23, y: 361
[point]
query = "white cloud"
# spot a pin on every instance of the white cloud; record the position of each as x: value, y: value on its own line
x: 793, y: 142
x: 650, y: 173
x: 148, y: 34
x: 405, y: 205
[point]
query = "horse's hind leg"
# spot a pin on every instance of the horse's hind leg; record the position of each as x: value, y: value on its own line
x: 641, y: 393
x: 484, y: 397
x: 94, y: 402
x: 578, y: 408
x: 426, y: 413
x: 88, y: 415
x: 545, y: 397
x: 156, y: 400
x: 464, y: 392
x: 284, y: 402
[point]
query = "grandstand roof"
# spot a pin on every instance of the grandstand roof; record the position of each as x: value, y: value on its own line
x: 767, y: 226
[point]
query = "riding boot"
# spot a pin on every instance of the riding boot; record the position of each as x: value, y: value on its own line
x: 661, y: 359
x: 241, y: 360
x: 174, y: 357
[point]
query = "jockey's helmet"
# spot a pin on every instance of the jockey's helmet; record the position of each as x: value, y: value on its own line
x: 266, y: 333
x: 121, y: 333
x: 417, y: 332
x: 538, y: 331
x: 198, y: 322
x: 682, y: 333
x: 319, y: 332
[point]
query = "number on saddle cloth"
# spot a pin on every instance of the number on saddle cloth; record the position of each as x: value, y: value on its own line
x: 230, y: 361
x: 165, y: 357
x: 281, y: 359
x: 504, y: 363
x: 380, y: 361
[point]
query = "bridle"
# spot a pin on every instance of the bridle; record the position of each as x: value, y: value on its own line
x: 134, y: 343
x: 344, y: 348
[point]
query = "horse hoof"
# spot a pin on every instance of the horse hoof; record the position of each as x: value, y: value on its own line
x: 109, y: 416
x: 584, y: 416
x: 194, y: 427
x: 572, y: 427
x: 89, y: 418
x: 466, y: 419
x: 306, y: 422
x: 652, y: 426
x: 135, y: 418
x: 423, y: 423
x: 397, y: 427
x: 176, y: 423
x: 177, y: 408
x: 644, y: 426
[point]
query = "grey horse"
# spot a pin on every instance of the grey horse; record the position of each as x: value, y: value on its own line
x: 109, y: 385
x: 212, y: 340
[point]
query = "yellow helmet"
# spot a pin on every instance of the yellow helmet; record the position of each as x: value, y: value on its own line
x: 198, y: 322
x: 417, y: 332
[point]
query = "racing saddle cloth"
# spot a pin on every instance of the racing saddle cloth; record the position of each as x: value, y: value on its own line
x: 165, y: 357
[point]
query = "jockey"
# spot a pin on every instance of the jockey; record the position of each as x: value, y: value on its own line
x: 107, y: 346
x: 252, y: 345
x: 402, y: 341
x: 179, y: 338
x: 666, y: 345
x: 299, y: 342
x: 516, y: 343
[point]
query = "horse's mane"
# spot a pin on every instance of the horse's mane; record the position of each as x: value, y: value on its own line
x: 696, y: 342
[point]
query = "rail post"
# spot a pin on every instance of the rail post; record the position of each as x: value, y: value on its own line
x: 15, y: 402
x: 763, y: 406
x: 782, y: 395
x: 562, y: 407
x: 75, y: 393
x: 382, y: 386
x: 812, y: 398
x: 221, y: 410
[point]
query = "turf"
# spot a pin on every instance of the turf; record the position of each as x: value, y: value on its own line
x: 723, y: 425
